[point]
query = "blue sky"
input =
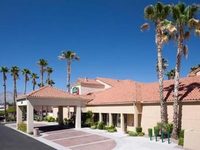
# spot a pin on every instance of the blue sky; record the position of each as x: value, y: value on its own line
x: 104, y: 33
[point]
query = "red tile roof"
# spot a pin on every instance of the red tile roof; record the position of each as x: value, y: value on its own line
x: 189, y: 90
x: 127, y: 91
x: 50, y: 92
x: 121, y: 91
x: 90, y: 83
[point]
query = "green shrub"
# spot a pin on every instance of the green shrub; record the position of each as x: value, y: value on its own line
x: 106, y: 127
x: 45, y: 118
x: 181, y: 134
x: 132, y: 133
x: 1, y: 113
x: 156, y: 130
x: 170, y: 127
x: 88, y: 122
x: 22, y: 127
x: 37, y: 118
x: 150, y: 132
x: 101, y: 125
x: 181, y: 141
x: 112, y: 130
x: 93, y: 127
x: 141, y: 134
x: 49, y: 119
x: 11, y: 109
x: 138, y: 129
x: 68, y: 122
x: 88, y: 119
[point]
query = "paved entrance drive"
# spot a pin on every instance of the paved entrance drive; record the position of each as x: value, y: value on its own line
x: 80, y: 140
x: 13, y: 140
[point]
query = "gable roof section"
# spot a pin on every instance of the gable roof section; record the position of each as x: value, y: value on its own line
x: 127, y: 91
x: 121, y: 92
x: 189, y: 90
x: 90, y: 83
x: 49, y: 92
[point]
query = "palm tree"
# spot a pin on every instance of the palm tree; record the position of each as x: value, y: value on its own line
x: 50, y: 82
x: 171, y: 74
x: 69, y: 56
x: 193, y: 68
x: 34, y: 77
x: 15, y: 74
x: 49, y: 71
x: 195, y: 24
x: 4, y: 71
x: 182, y: 15
x: 26, y: 73
x: 164, y: 66
x: 42, y: 63
x: 157, y: 14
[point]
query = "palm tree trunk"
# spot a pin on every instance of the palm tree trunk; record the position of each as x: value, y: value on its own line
x: 160, y: 74
x: 68, y: 83
x: 25, y: 83
x: 176, y: 84
x: 68, y: 75
x: 34, y: 86
x: 15, y: 91
x: 48, y: 78
x: 42, y: 76
x: 4, y: 85
x: 15, y: 95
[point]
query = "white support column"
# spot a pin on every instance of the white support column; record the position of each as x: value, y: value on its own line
x: 29, y: 117
x: 110, y: 119
x: 122, y: 122
x: 100, y: 117
x: 60, y: 115
x: 19, y: 115
x: 78, y: 117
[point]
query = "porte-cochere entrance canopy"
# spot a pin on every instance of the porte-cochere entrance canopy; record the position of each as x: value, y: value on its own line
x: 49, y: 96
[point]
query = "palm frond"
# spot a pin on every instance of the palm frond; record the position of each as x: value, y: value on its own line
x: 193, y: 23
x: 197, y: 32
x: 149, y: 12
x: 144, y: 27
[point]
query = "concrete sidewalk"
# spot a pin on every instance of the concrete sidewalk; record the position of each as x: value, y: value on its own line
x: 125, y: 142
x: 69, y: 139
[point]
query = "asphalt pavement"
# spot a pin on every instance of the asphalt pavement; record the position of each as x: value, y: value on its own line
x: 13, y: 140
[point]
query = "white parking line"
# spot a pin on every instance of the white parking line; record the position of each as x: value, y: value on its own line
x: 71, y: 137
x: 90, y: 143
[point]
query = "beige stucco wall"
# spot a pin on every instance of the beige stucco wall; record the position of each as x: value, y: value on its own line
x: 151, y: 115
x: 190, y: 116
x: 191, y: 139
x: 125, y: 109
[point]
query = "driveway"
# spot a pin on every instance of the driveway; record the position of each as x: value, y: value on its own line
x: 79, y: 140
x: 88, y: 139
x: 13, y: 140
